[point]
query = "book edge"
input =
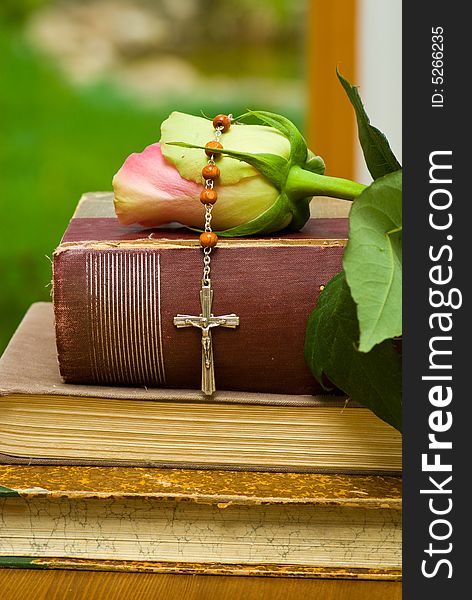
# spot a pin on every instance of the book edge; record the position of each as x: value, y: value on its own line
x: 267, y: 570
x: 8, y: 459
x: 211, y: 486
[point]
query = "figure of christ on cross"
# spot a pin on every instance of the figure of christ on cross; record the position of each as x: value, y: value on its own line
x: 206, y: 321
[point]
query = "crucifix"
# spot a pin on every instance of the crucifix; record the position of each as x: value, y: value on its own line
x: 206, y: 321
x: 208, y: 240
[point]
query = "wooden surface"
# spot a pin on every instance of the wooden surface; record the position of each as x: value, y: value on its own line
x: 83, y: 585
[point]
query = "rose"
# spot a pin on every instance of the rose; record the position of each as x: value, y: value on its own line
x: 261, y: 191
x: 155, y: 187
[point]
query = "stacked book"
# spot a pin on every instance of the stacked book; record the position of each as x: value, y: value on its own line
x: 111, y: 456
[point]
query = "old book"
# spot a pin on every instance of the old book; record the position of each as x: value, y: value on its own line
x: 226, y: 522
x: 117, y: 290
x: 44, y: 419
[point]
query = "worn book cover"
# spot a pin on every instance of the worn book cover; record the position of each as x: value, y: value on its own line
x: 117, y: 290
x: 187, y: 521
x: 45, y: 420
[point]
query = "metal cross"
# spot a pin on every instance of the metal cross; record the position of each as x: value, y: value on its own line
x: 206, y: 321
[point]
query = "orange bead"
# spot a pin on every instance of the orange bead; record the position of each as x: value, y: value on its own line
x: 208, y: 196
x: 208, y: 239
x: 210, y: 172
x: 223, y: 122
x: 210, y: 146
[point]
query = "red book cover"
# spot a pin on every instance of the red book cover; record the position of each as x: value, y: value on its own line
x: 117, y: 290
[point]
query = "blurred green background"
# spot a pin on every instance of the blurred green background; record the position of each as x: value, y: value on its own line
x: 84, y: 84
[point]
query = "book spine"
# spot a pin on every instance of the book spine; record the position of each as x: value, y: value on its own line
x: 114, y: 311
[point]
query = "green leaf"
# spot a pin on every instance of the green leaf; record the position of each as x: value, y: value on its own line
x: 378, y: 155
x: 373, y: 379
x: 299, y: 151
x: 373, y: 260
x: 275, y: 218
x: 273, y: 167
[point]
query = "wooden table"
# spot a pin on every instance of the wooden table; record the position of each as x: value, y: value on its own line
x: 19, y: 584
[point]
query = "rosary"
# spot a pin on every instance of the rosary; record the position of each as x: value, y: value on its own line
x: 208, y: 240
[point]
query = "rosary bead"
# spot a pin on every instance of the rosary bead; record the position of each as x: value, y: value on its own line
x: 208, y: 239
x: 210, y: 172
x: 208, y: 196
x: 210, y: 146
x: 222, y: 121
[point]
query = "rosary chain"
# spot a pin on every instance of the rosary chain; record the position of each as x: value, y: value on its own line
x: 207, y: 251
x: 208, y: 209
x: 209, y: 183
